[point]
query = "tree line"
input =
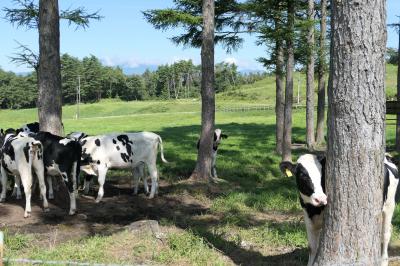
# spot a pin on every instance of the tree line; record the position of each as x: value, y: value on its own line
x: 178, y: 80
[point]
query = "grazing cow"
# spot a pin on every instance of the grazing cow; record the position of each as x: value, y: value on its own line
x: 310, y: 178
x: 119, y: 151
x: 19, y: 155
x: 218, y: 136
x: 62, y: 157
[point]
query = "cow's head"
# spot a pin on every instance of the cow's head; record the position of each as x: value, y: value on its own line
x: 78, y: 136
x: 218, y: 136
x: 309, y: 172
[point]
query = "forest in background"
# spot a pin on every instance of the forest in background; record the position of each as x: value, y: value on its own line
x: 171, y: 81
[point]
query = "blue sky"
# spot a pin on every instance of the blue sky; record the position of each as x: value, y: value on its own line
x: 124, y: 38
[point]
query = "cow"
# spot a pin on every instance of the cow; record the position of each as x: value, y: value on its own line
x: 218, y: 136
x: 33, y: 127
x: 20, y: 154
x: 61, y: 157
x: 119, y: 151
x: 309, y: 172
x: 29, y: 128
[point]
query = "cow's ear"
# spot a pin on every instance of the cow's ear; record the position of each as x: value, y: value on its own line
x: 1, y: 131
x: 321, y: 159
x: 287, y: 168
x: 224, y: 136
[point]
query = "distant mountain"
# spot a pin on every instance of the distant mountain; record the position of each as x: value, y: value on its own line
x: 140, y: 69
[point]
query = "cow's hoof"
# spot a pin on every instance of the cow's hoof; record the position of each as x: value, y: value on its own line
x: 27, y: 215
x: 72, y: 212
x: 19, y: 197
x: 97, y: 200
x: 3, y: 200
x: 46, y: 209
x: 151, y: 196
x: 51, y: 196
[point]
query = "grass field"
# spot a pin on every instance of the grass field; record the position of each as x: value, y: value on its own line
x: 253, y: 217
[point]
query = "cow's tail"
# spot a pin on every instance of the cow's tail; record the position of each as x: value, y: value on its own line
x: 36, y: 150
x: 161, y: 150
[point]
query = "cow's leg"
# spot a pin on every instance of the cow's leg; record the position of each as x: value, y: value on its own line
x: 68, y: 179
x: 3, y: 184
x: 138, y: 173
x: 50, y: 183
x: 26, y: 178
x: 87, y: 183
x: 388, y: 210
x: 213, y: 164
x: 136, y: 179
x: 154, y: 176
x: 39, y: 170
x: 313, y: 239
x: 102, y: 169
x: 146, y: 185
x: 17, y: 187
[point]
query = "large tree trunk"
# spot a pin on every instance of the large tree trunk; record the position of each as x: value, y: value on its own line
x: 321, y: 76
x: 49, y: 73
x: 203, y: 165
x: 310, y: 137
x: 280, y: 97
x: 287, y: 132
x: 398, y: 98
x: 356, y: 135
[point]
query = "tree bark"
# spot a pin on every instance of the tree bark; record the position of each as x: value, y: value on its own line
x: 310, y: 137
x: 321, y: 76
x: 203, y: 164
x: 356, y: 135
x: 49, y: 72
x: 398, y: 97
x: 287, y: 131
x: 280, y: 97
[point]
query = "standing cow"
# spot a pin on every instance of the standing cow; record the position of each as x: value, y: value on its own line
x: 309, y: 172
x: 61, y: 157
x: 119, y: 151
x: 20, y: 154
x: 218, y: 136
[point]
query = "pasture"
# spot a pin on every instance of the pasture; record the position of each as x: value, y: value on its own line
x: 251, y: 217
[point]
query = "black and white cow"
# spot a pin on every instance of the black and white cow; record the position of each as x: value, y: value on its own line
x: 218, y: 136
x: 309, y: 172
x: 119, y: 151
x: 20, y: 154
x: 61, y: 157
x: 29, y: 128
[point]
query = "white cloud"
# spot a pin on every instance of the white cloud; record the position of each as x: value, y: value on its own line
x: 244, y: 64
x: 231, y: 60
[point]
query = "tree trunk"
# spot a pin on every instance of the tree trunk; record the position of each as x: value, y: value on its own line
x: 287, y: 131
x: 321, y: 76
x: 49, y: 73
x: 310, y: 137
x: 280, y: 97
x: 203, y: 164
x: 356, y: 135
x: 398, y: 98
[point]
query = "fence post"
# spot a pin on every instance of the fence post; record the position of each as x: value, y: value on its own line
x: 1, y: 247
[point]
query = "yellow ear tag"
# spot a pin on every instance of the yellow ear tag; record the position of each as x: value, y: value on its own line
x: 289, y: 173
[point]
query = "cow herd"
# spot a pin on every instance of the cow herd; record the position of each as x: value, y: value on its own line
x: 27, y: 151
